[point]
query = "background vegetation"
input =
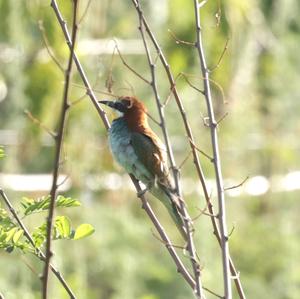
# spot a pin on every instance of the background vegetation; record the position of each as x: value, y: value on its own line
x: 260, y: 92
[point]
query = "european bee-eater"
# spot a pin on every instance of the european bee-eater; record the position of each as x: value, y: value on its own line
x: 138, y: 149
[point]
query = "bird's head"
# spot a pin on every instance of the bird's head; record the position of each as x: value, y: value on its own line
x: 132, y: 109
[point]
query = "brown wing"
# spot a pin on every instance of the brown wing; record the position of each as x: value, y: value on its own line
x: 150, y: 152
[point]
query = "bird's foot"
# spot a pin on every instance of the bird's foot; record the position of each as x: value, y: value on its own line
x: 142, y: 192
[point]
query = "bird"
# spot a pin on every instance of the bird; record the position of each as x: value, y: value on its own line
x: 136, y: 147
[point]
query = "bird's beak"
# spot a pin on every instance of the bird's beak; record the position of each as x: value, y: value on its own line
x: 117, y: 105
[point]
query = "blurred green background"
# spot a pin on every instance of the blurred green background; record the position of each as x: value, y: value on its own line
x: 259, y: 138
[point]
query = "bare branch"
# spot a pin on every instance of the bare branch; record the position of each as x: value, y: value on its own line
x: 40, y: 124
x: 58, y: 151
x: 179, y: 41
x: 190, y: 84
x: 238, y: 185
x: 48, y: 48
x: 187, y: 220
x: 84, y: 12
x: 216, y: 161
x: 187, y: 126
x: 201, y: 151
x: 185, y: 159
x: 167, y: 244
x: 222, y: 118
x: 110, y: 81
x: 221, y: 57
x: 128, y: 66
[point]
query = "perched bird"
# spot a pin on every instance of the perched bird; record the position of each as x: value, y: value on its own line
x: 138, y: 149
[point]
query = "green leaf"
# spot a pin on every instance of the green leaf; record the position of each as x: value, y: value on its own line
x: 10, y: 234
x: 62, y: 227
x: 67, y: 202
x: 41, y: 204
x: 83, y: 231
x: 2, y: 154
x: 39, y: 235
x: 17, y: 236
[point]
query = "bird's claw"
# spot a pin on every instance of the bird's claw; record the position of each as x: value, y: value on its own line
x: 142, y: 192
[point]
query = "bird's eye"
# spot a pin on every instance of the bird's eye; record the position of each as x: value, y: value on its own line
x: 126, y: 103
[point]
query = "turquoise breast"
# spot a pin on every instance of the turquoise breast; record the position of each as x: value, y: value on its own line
x: 124, y: 153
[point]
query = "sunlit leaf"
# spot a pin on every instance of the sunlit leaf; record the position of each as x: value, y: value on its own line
x: 2, y: 154
x: 62, y: 227
x: 10, y: 234
x: 83, y: 231
x: 41, y: 204
x: 17, y: 235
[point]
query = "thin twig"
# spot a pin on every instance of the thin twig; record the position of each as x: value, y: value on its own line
x: 216, y: 155
x: 190, y: 84
x: 238, y: 185
x: 58, y: 151
x: 39, y: 253
x: 48, y: 48
x: 201, y: 151
x: 185, y: 75
x: 88, y: 87
x: 179, y: 41
x: 39, y: 123
x: 221, y: 57
x: 92, y: 90
x: 213, y: 293
x: 185, y: 159
x: 128, y: 66
x: 167, y: 244
x: 84, y: 12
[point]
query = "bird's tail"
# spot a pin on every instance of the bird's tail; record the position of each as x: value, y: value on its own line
x: 171, y: 202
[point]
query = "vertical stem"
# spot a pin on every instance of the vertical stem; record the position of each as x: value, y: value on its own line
x: 216, y: 155
x: 58, y: 150
x: 197, y: 164
x: 198, y: 289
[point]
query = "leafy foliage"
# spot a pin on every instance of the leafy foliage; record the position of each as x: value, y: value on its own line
x: 11, y: 236
x: 41, y: 204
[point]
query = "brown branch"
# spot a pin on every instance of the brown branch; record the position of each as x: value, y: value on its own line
x: 216, y: 155
x: 186, y: 218
x: 179, y: 41
x: 238, y: 185
x: 190, y: 84
x: 39, y: 123
x: 187, y: 126
x: 213, y: 293
x: 39, y: 253
x: 91, y: 90
x: 146, y: 206
x: 222, y: 118
x: 58, y: 151
x: 84, y: 12
x: 201, y: 151
x: 185, y: 159
x: 48, y: 48
x: 221, y: 57
x: 128, y: 66
x: 201, y: 91
x: 87, y: 85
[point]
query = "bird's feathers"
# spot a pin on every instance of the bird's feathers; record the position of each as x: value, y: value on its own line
x: 138, y: 149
